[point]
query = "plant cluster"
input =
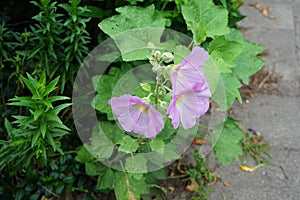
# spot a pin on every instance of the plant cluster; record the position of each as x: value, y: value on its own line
x: 40, y: 153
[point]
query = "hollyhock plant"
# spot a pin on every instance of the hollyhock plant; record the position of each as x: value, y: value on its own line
x: 189, y: 71
x: 136, y: 116
x: 189, y: 105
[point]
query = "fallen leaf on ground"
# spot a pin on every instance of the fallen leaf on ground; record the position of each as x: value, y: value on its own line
x: 246, y: 168
x: 192, y: 187
x: 226, y: 184
x: 198, y: 141
x: 250, y: 169
x: 265, y: 11
x: 271, y: 17
x: 171, y: 189
x: 255, y: 5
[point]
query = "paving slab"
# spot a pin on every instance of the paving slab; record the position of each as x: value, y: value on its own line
x: 280, y: 44
x: 283, y: 14
x: 276, y: 116
x: 278, y: 119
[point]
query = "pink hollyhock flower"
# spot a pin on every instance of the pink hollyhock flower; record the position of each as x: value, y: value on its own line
x: 136, y: 116
x: 189, y: 105
x: 189, y: 71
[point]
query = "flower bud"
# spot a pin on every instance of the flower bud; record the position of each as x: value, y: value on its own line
x: 163, y: 104
x: 146, y: 86
x: 167, y: 57
x: 157, y: 55
x: 156, y: 67
x: 152, y: 61
x: 161, y: 91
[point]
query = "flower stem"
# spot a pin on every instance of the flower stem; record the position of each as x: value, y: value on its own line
x: 156, y: 90
x: 191, y: 44
x: 164, y: 6
x: 205, y: 127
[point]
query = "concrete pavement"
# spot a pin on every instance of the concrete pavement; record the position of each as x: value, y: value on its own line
x: 276, y: 116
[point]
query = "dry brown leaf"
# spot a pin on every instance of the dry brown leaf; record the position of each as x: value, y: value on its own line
x: 255, y: 5
x: 215, y: 179
x: 192, y: 187
x: 171, y: 189
x: 226, y: 184
x: 198, y: 141
x: 272, y: 17
x: 265, y: 11
x: 250, y: 94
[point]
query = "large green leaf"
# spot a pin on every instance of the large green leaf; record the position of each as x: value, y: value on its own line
x: 180, y: 52
x: 106, y: 179
x: 128, y: 144
x: 136, y: 164
x: 247, y: 62
x: 133, y: 29
x: 112, y: 131
x: 83, y: 155
x: 227, y: 91
x: 105, y: 86
x: 129, y: 188
x: 212, y: 74
x: 205, y: 19
x: 227, y: 144
x: 232, y: 59
x: 224, y: 52
x: 101, y: 146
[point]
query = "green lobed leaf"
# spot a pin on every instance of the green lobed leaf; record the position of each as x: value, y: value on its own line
x: 212, y: 74
x: 224, y: 52
x: 136, y: 164
x: 112, y: 131
x: 227, y: 91
x: 128, y: 144
x: 156, y: 144
x: 232, y: 59
x: 92, y: 169
x: 105, y: 86
x: 247, y: 62
x: 138, y: 27
x: 180, y: 52
x: 83, y: 155
x: 101, y: 146
x: 205, y: 19
x: 105, y: 180
x: 128, y: 188
x: 227, y: 144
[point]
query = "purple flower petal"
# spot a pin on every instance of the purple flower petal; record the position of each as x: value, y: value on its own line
x: 189, y: 105
x: 136, y: 116
x: 190, y: 70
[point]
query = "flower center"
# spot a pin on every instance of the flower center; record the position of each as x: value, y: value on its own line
x: 142, y: 108
x: 179, y: 99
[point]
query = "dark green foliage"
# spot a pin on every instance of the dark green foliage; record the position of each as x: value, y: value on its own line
x: 55, y: 43
x: 62, y: 174
x: 36, y: 135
